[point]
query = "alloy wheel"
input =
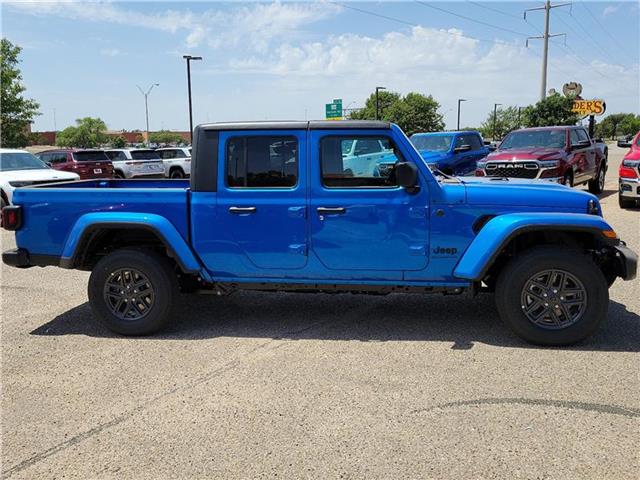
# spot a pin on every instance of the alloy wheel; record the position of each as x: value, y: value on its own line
x: 128, y: 294
x: 553, y: 299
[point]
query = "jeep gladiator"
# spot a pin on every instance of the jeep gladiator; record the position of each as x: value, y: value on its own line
x: 271, y: 206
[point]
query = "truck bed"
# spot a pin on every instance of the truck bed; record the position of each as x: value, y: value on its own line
x: 51, y: 210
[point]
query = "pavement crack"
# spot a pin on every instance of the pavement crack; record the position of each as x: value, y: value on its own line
x: 572, y: 405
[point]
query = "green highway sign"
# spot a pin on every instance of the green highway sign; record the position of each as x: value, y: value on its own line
x: 333, y: 110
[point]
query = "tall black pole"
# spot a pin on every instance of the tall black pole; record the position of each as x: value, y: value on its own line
x: 460, y: 100
x: 188, y: 58
x: 378, y: 102
x: 190, y: 107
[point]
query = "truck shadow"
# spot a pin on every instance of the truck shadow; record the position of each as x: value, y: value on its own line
x: 461, y: 320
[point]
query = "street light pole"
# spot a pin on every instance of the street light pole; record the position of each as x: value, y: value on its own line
x: 188, y: 58
x: 460, y: 100
x: 378, y: 102
x: 495, y: 112
x: 146, y: 104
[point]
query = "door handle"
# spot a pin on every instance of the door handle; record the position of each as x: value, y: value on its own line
x: 242, y: 210
x: 331, y: 210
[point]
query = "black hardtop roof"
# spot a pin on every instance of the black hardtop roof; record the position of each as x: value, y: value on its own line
x: 298, y: 125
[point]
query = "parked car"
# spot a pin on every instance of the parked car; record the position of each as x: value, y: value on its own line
x: 629, y: 176
x: 136, y: 163
x: 86, y: 163
x: 563, y: 154
x: 251, y: 219
x: 19, y: 168
x: 453, y: 153
x: 625, y: 141
x: 367, y: 156
x: 177, y: 161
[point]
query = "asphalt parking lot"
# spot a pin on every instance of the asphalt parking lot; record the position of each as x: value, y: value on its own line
x: 315, y: 386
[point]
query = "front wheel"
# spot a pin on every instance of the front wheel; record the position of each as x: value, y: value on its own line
x: 131, y: 291
x: 552, y: 296
x: 596, y: 185
x: 176, y: 173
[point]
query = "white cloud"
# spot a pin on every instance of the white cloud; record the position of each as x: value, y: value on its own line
x: 110, y: 52
x: 251, y: 26
x: 611, y: 9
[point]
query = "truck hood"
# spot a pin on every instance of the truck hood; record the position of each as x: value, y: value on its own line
x: 432, y: 157
x: 525, y: 193
x: 525, y: 154
x: 36, y: 175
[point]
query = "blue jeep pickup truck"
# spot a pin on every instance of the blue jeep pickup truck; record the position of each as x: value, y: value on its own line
x: 271, y: 206
x: 453, y: 153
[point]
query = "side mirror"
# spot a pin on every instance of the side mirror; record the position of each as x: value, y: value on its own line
x: 462, y: 148
x: 407, y: 175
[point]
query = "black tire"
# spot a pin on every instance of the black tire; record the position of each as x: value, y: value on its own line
x: 176, y: 173
x: 161, y: 288
x: 626, y: 202
x: 118, y: 174
x: 568, y: 179
x: 522, y: 270
x: 596, y: 185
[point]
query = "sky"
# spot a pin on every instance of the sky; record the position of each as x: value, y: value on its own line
x: 285, y: 60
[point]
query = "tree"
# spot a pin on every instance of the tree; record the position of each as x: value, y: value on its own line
x: 506, y: 119
x: 165, y: 136
x: 553, y: 110
x: 612, y: 125
x: 414, y: 112
x: 118, y: 142
x: 17, y: 112
x: 630, y: 125
x: 88, y: 133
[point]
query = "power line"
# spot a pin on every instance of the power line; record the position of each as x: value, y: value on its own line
x: 411, y: 24
x: 487, y: 7
x: 586, y: 34
x: 602, y: 26
x: 471, y: 19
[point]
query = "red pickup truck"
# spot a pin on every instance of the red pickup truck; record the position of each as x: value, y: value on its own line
x: 563, y: 154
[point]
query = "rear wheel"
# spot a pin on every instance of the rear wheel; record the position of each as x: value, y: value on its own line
x: 176, y: 173
x: 552, y: 296
x: 596, y: 185
x: 132, y: 291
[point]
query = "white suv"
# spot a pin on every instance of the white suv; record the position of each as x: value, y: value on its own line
x: 19, y: 168
x: 135, y: 163
x: 177, y: 161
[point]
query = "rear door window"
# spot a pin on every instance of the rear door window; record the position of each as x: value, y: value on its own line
x: 116, y: 155
x: 472, y: 140
x: 95, y: 156
x: 262, y: 162
x: 145, y: 155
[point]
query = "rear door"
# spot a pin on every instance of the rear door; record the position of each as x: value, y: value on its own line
x: 261, y: 204
x: 580, y: 156
x: 364, y: 225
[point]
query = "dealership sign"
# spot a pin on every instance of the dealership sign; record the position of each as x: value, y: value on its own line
x: 589, y: 107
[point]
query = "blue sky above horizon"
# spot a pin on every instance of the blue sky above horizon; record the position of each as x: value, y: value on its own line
x: 285, y: 60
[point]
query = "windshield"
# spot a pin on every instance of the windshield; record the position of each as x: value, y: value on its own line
x: 433, y: 143
x: 20, y: 161
x: 535, y: 138
x: 91, y: 156
x: 145, y: 155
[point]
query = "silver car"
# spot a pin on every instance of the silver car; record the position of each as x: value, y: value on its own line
x: 136, y: 163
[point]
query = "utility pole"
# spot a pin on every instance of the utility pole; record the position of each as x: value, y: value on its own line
x: 495, y: 113
x: 460, y: 100
x: 188, y: 58
x: 378, y: 102
x: 146, y: 104
x: 545, y: 37
x: 55, y: 126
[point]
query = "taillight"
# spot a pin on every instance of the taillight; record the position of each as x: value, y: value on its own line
x: 627, y: 172
x: 12, y: 217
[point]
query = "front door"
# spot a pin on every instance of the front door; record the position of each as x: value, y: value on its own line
x: 362, y: 220
x: 261, y: 203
